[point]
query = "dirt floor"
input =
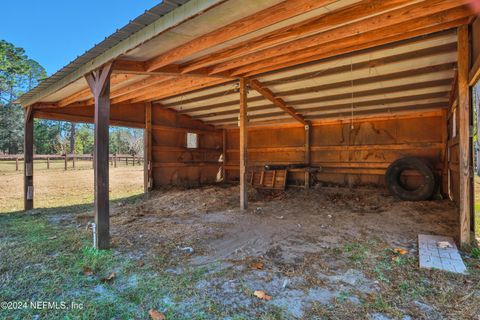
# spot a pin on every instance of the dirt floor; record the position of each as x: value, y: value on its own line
x: 321, y: 253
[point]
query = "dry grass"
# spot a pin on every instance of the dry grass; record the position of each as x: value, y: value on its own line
x: 56, y: 187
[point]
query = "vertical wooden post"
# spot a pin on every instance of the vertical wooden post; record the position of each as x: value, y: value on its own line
x: 48, y: 163
x: 16, y: 163
x: 147, y: 149
x: 133, y: 161
x: 66, y: 160
x: 307, y: 154
x: 464, y: 134
x: 115, y: 160
x: 243, y: 123
x: 73, y: 160
x: 224, y: 155
x: 99, y: 82
x: 28, y: 159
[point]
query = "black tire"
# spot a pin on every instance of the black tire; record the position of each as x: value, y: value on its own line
x: 395, y: 186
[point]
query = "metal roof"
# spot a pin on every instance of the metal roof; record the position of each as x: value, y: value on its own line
x: 135, y: 25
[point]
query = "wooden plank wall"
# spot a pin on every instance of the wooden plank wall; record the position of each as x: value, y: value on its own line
x: 453, y: 177
x: 357, y: 156
x: 173, y: 163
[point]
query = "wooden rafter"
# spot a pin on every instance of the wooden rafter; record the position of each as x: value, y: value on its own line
x: 324, y: 98
x: 292, y: 32
x: 404, y: 14
x: 173, y: 70
x: 357, y: 42
x: 268, y: 94
x: 264, y: 18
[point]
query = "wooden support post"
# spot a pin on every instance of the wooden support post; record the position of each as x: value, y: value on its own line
x: 224, y: 154
x: 48, y: 163
x: 115, y: 160
x: 28, y: 160
x: 16, y: 164
x: 99, y: 82
x: 133, y: 161
x: 147, y: 149
x: 73, y: 161
x: 307, y: 154
x: 243, y: 123
x: 66, y: 160
x: 464, y: 114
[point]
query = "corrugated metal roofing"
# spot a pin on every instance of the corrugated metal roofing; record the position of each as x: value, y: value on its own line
x: 135, y: 25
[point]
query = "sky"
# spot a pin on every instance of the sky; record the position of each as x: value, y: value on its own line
x: 55, y: 32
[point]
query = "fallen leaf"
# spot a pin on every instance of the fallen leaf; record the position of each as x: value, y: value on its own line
x: 257, y: 265
x: 87, y: 271
x: 400, y: 251
x: 444, y: 244
x: 262, y: 295
x: 156, y: 315
x: 110, y: 277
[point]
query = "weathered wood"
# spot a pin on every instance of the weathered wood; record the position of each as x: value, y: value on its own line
x: 264, y: 18
x: 224, y: 154
x: 475, y: 72
x: 269, y: 95
x: 243, y: 124
x: 307, y: 154
x: 464, y: 114
x: 65, y: 160
x: 99, y: 82
x: 147, y: 149
x: 28, y: 160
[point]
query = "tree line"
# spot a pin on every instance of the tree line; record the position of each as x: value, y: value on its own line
x: 19, y: 74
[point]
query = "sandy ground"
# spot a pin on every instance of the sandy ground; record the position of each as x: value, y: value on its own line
x: 296, y: 235
x: 57, y: 188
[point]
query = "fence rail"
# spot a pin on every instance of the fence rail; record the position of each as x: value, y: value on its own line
x: 114, y: 159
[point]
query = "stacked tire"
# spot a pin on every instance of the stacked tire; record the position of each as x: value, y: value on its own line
x: 398, y: 189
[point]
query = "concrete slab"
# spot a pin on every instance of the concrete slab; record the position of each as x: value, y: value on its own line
x: 439, y: 252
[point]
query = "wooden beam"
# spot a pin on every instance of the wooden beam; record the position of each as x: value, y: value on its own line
x: 99, y: 83
x: 387, y: 35
x: 173, y: 70
x: 243, y: 123
x: 326, y: 98
x: 28, y: 159
x: 224, y: 154
x: 327, y: 86
x: 259, y: 20
x: 269, y: 95
x: 308, y: 128
x: 292, y: 32
x: 147, y: 149
x: 464, y: 114
x: 474, y: 75
x: 370, y: 24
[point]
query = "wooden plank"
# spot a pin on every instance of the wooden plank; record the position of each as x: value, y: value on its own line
x: 28, y: 163
x: 147, y: 149
x: 295, y: 31
x: 474, y: 75
x: 224, y: 153
x: 99, y: 82
x: 261, y: 19
x: 307, y: 153
x: 243, y: 123
x: 388, y: 35
x: 370, y: 24
x: 464, y: 115
x: 269, y: 95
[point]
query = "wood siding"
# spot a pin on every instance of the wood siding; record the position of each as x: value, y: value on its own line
x: 347, y: 156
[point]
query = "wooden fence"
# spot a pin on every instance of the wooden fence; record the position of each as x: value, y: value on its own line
x: 114, y: 159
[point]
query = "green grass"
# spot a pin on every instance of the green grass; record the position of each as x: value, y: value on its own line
x: 41, y: 261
